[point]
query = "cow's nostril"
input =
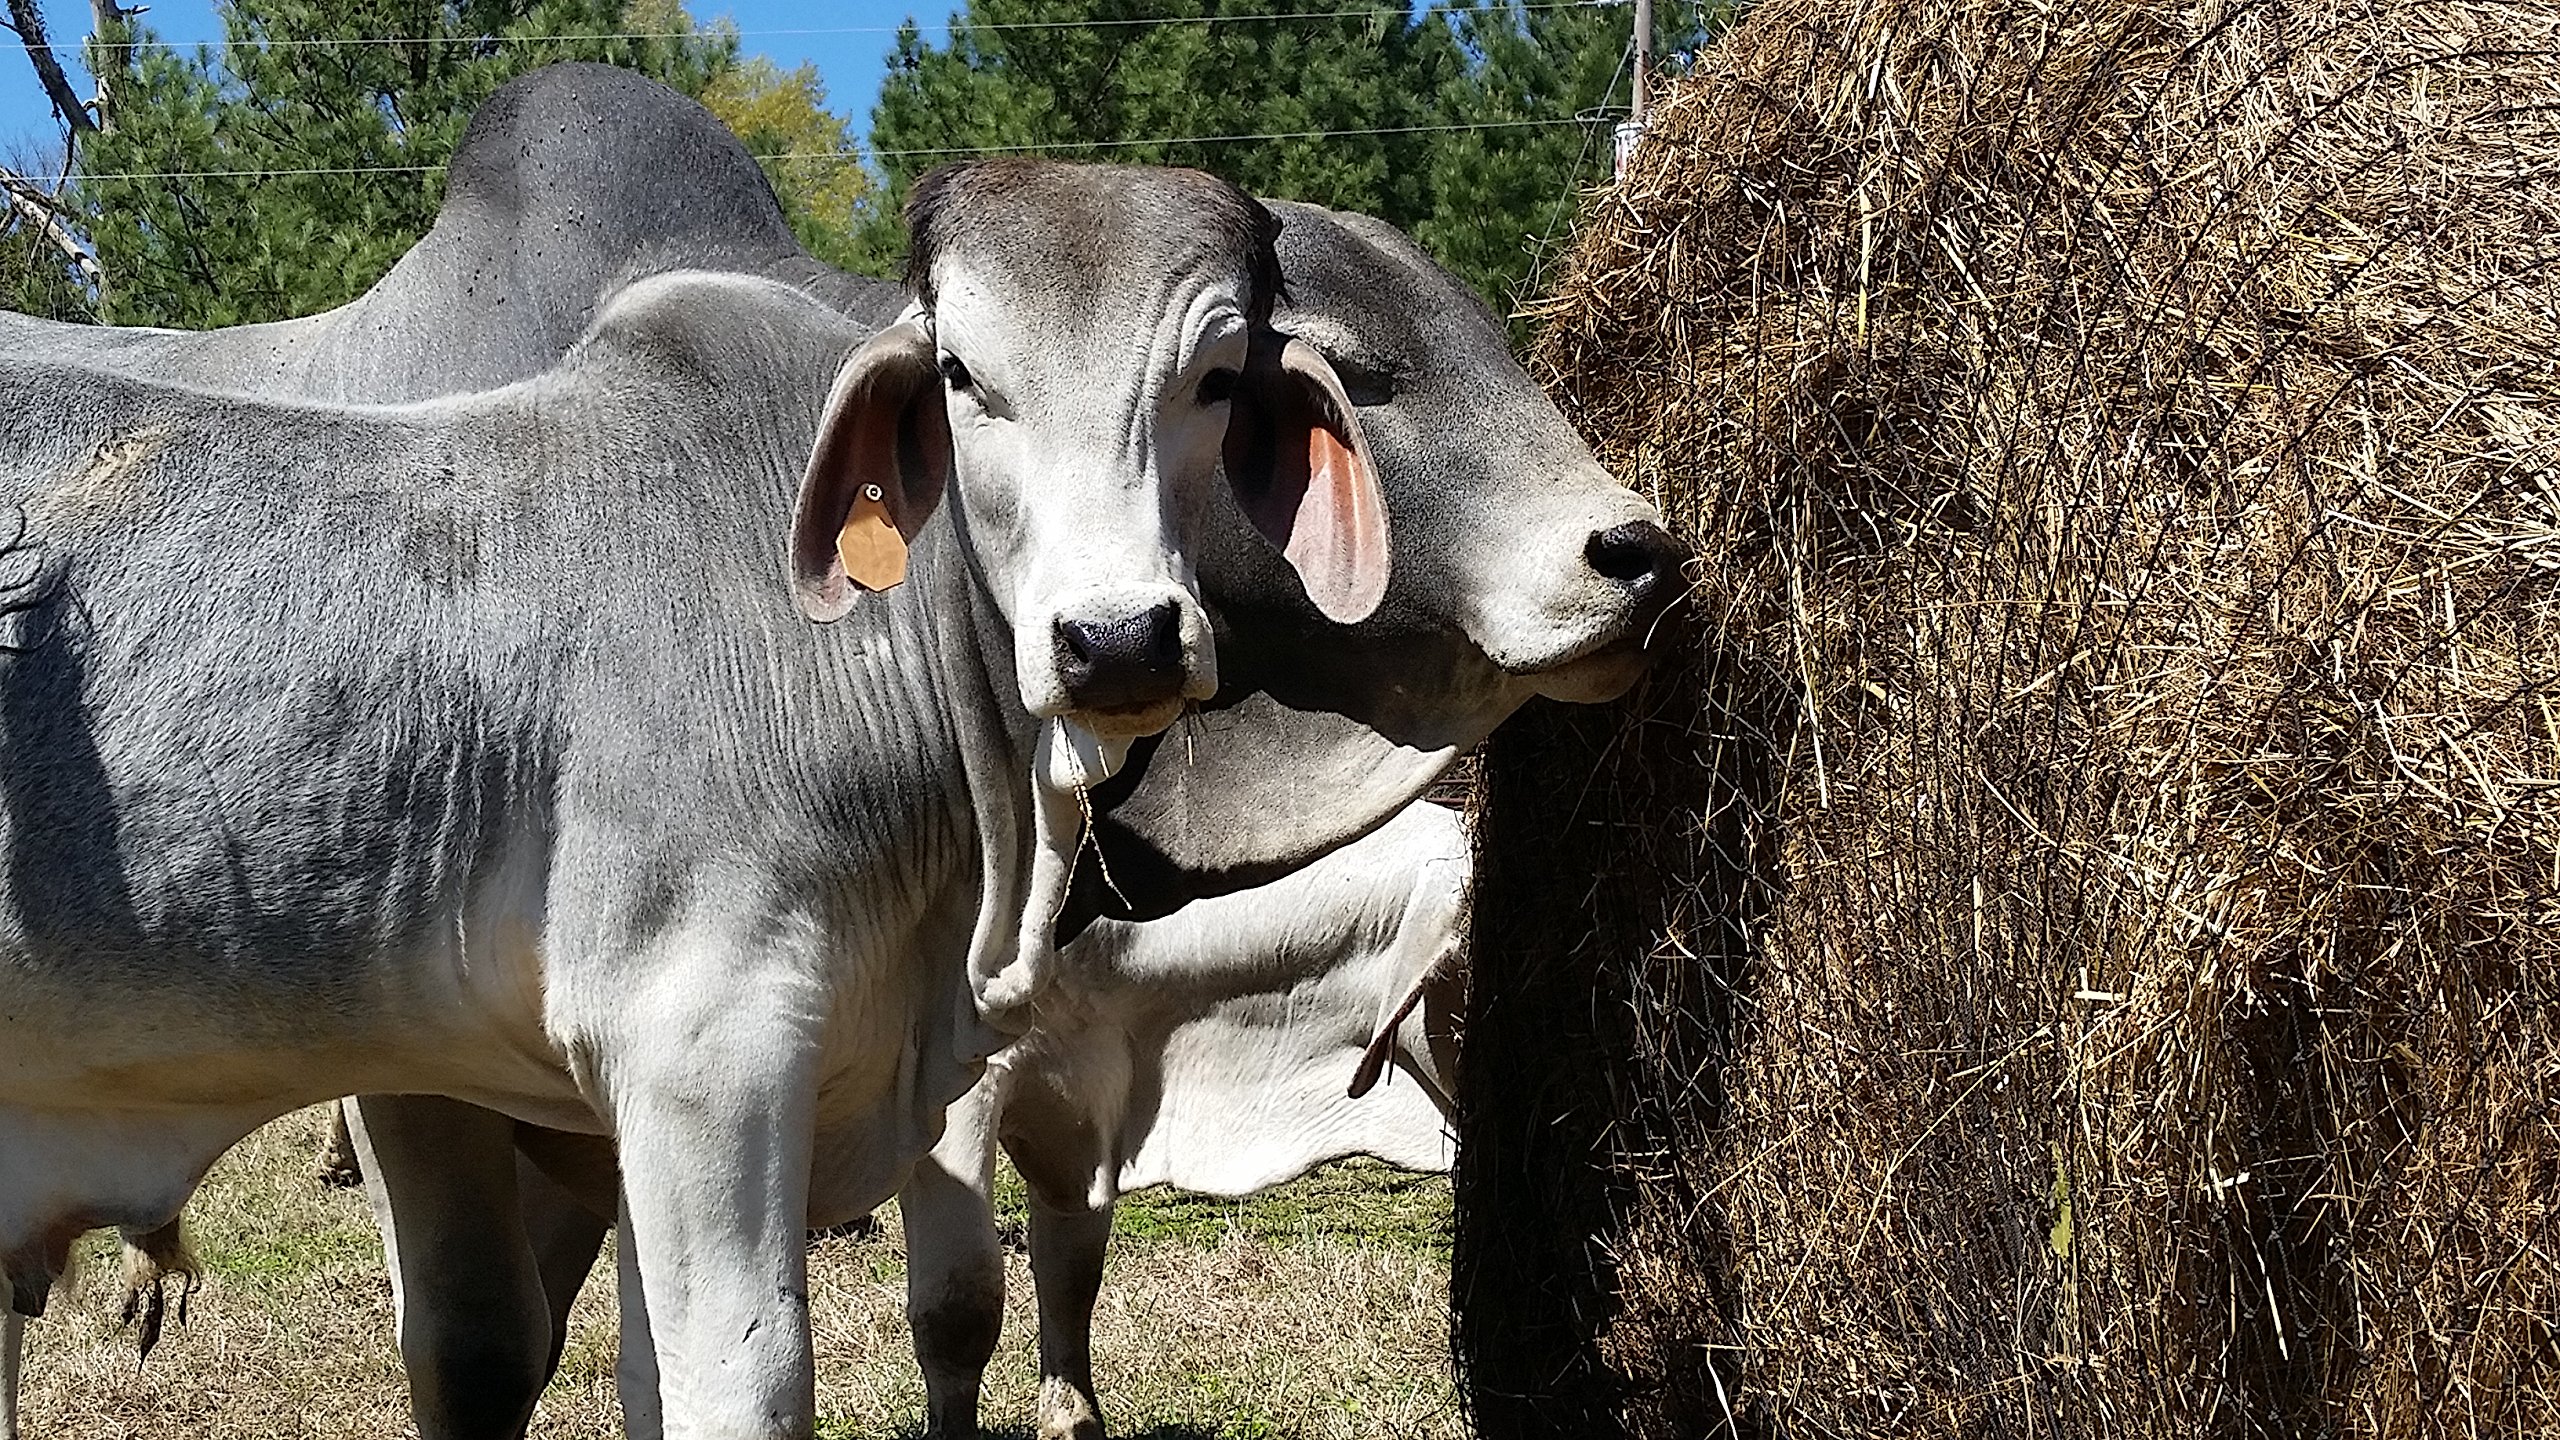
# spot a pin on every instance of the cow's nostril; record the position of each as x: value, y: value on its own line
x: 1112, y: 664
x: 1638, y: 555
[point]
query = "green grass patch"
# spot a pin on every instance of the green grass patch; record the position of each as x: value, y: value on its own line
x: 1352, y: 1202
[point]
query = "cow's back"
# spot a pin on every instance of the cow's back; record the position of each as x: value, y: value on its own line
x: 264, y: 721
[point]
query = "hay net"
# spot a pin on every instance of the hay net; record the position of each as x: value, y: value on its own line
x: 2123, y: 440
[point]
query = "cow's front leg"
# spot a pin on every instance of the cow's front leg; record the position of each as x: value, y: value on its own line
x: 955, y: 1264
x: 473, y: 1319
x: 1067, y: 1248
x: 13, y: 1345
x: 714, y: 1105
x: 635, y: 1363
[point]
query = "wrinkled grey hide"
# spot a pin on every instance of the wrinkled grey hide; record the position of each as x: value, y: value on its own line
x: 1210, y: 1051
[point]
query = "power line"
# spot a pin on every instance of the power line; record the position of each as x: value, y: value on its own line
x: 1573, y: 179
x: 853, y: 154
x: 715, y: 33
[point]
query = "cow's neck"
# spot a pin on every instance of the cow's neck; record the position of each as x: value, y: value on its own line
x: 1014, y: 824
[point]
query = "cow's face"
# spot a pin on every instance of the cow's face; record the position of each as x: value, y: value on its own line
x: 1079, y: 363
x: 1508, y: 531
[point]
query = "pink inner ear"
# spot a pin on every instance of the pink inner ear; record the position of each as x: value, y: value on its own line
x: 1330, y: 461
x: 1338, y: 544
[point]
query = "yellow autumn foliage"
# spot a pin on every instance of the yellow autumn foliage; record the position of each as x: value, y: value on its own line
x: 807, y: 150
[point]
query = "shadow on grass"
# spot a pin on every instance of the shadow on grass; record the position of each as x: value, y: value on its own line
x: 1030, y: 1433
x: 1026, y: 1432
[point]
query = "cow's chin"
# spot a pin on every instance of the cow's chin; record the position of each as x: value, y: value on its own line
x: 1128, y: 722
x: 1600, y: 676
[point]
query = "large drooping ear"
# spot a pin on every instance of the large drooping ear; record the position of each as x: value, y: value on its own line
x: 882, y: 457
x: 1301, y: 469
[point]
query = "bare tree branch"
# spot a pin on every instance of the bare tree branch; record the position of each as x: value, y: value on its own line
x: 28, y: 21
x: 38, y: 212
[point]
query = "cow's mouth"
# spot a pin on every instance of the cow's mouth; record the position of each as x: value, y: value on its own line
x: 1128, y: 722
x: 1603, y: 674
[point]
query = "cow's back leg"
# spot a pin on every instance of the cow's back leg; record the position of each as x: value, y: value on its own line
x: 955, y: 1264
x: 151, y: 1259
x: 474, y: 1323
x: 1068, y: 1244
x: 565, y: 1226
x: 339, y: 1167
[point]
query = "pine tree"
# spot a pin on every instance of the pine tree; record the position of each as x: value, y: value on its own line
x: 1548, y: 85
x: 1142, y: 76
x: 1494, y: 110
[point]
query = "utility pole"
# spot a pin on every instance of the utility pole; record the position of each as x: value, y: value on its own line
x: 1644, y: 62
x: 1631, y: 129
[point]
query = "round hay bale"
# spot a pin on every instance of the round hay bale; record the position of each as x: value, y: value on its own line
x: 2072, y: 945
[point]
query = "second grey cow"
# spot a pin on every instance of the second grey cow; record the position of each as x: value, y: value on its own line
x: 1224, y: 1049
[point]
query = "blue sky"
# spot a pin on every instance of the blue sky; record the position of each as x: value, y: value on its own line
x: 851, y: 56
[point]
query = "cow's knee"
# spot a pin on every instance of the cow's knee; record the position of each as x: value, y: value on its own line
x: 958, y: 1330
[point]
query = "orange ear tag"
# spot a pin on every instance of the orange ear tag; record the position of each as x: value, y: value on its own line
x: 873, y: 552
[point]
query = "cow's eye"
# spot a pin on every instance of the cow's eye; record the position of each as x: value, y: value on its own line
x: 955, y: 374
x: 1366, y: 385
x: 1218, y: 386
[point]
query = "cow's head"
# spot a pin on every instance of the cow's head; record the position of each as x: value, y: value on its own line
x: 1080, y: 365
x: 1521, y: 568
x: 1509, y: 532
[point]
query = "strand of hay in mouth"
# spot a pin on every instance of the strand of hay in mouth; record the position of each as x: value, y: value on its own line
x: 2074, y: 947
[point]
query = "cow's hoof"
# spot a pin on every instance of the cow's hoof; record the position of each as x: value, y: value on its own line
x: 1067, y: 1414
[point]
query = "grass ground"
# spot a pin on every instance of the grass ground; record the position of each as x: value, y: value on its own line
x: 1318, y: 1309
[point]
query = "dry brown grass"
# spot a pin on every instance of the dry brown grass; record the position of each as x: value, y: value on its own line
x: 1240, y: 1335
x: 2079, y: 943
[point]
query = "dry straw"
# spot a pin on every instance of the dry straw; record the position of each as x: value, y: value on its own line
x: 2074, y: 949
